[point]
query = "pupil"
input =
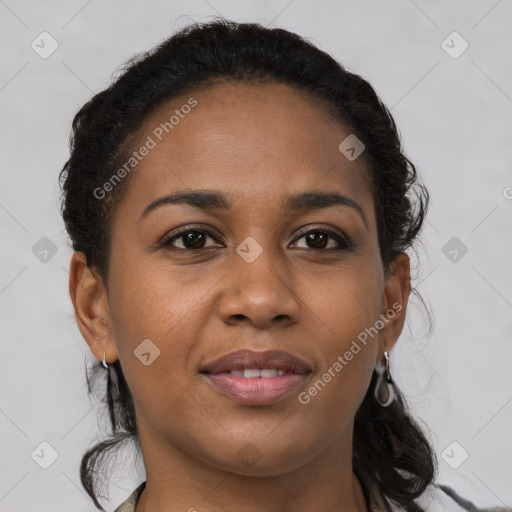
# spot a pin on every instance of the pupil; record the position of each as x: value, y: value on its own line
x: 193, y: 239
x: 321, y: 236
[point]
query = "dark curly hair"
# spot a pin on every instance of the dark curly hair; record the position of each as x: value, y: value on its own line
x: 389, y: 447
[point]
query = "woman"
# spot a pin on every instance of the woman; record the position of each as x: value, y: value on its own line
x: 240, y: 207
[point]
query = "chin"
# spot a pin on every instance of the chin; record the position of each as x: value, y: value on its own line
x: 253, y: 461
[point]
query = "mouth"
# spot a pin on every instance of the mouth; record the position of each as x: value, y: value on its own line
x: 253, y: 373
x: 270, y: 363
x: 256, y: 378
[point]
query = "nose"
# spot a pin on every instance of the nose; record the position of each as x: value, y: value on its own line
x: 259, y: 293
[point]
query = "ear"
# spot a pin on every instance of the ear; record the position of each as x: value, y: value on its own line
x: 394, y: 302
x: 92, y: 311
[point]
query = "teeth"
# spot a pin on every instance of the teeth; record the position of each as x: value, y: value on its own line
x: 252, y: 373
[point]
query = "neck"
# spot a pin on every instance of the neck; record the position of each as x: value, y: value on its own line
x: 175, y: 481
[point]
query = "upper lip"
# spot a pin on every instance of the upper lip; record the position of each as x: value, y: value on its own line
x: 244, y: 359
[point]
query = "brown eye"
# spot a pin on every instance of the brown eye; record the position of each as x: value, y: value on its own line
x: 192, y: 239
x: 320, y: 239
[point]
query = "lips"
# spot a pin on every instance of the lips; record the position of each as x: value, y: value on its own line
x: 257, y: 378
x: 250, y: 360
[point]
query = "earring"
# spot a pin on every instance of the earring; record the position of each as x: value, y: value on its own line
x: 381, y: 392
x: 105, y: 364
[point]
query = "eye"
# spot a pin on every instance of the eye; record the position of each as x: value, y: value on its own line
x: 317, y: 239
x: 191, y: 239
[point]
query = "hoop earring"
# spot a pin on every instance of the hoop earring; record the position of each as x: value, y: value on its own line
x: 380, y: 392
x: 105, y: 364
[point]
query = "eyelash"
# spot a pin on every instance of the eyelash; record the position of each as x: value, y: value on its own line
x: 344, y: 242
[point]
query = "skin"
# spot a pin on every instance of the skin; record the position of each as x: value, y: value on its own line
x: 257, y: 144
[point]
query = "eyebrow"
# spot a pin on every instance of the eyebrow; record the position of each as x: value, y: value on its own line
x: 211, y: 200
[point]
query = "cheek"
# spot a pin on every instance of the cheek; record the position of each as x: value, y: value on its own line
x: 165, y: 306
x: 345, y: 311
x: 347, y: 354
x: 346, y: 302
x: 153, y: 318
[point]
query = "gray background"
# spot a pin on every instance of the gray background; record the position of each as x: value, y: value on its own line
x: 455, y: 118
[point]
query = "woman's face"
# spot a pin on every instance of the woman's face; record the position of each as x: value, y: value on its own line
x: 247, y: 276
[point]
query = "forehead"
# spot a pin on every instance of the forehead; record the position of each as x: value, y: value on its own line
x: 252, y: 142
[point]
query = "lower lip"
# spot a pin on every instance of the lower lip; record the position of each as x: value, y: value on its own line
x: 258, y: 390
